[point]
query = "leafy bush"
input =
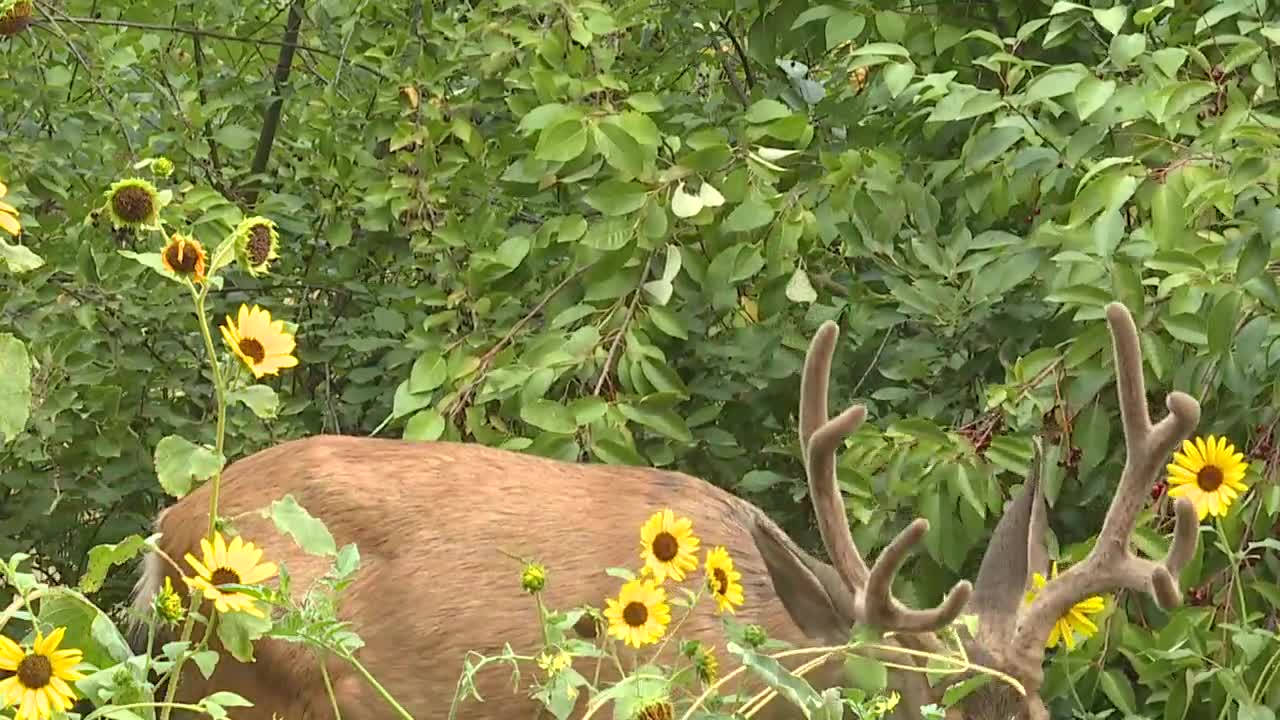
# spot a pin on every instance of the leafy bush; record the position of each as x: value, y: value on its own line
x: 603, y: 231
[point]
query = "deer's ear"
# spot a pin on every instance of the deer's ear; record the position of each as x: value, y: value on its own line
x: 1015, y: 547
x: 813, y: 598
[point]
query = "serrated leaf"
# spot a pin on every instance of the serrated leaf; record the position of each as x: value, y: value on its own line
x: 307, y: 531
x: 181, y: 464
x: 19, y: 257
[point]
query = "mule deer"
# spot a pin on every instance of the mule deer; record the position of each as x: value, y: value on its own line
x: 428, y: 519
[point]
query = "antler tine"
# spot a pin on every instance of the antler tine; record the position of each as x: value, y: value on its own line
x: 1111, y: 564
x: 881, y: 609
x: 819, y: 440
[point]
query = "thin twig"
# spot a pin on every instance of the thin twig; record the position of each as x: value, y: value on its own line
x: 875, y: 360
x: 742, y: 55
x: 221, y: 36
x: 622, y: 331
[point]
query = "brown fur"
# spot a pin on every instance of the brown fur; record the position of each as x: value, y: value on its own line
x: 429, y: 520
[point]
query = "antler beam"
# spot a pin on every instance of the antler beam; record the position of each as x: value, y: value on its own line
x: 820, y: 441
x: 1111, y: 563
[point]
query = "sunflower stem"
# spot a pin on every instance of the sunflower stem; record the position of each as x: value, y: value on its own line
x: 369, y: 678
x: 171, y: 692
x: 1235, y: 567
x: 220, y: 391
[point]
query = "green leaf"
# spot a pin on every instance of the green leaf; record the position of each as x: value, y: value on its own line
x: 236, y: 137
x: 1056, y: 81
x: 1125, y: 48
x: 1253, y: 258
x: 1112, y: 19
x: 549, y: 415
x: 645, y: 102
x: 261, y: 399
x: 799, y: 289
x: 881, y: 48
x: 1186, y: 327
x: 1222, y: 322
x: 180, y: 464
x: 897, y: 76
x: 562, y: 142
x: 19, y: 257
x: 1118, y: 691
x: 864, y: 673
x: 751, y: 214
x: 620, y: 150
x: 429, y: 372
x: 843, y: 27
x: 892, y: 26
x: 663, y: 420
x: 1091, y: 94
x: 616, y: 197
x: 238, y: 631
x: 103, y: 557
x: 426, y: 424
x: 767, y: 110
x: 15, y: 387
x: 92, y: 630
x: 308, y: 531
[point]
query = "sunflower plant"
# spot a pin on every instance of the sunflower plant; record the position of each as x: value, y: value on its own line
x: 58, y: 648
x: 675, y: 574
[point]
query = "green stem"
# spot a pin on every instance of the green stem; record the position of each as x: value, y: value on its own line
x: 167, y: 706
x: 172, y: 691
x: 1235, y: 568
x: 378, y: 687
x: 220, y: 390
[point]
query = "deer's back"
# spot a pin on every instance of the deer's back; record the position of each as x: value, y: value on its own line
x: 431, y: 521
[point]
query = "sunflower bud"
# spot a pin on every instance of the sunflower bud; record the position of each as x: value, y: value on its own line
x: 162, y: 167
x: 168, y: 605
x: 533, y: 578
x: 754, y: 635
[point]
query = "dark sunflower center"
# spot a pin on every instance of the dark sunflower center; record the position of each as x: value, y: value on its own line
x: 132, y: 204
x: 35, y: 671
x: 635, y: 614
x: 665, y: 547
x: 720, y: 582
x: 253, y: 349
x: 259, y: 245
x: 225, y: 576
x: 1209, y: 478
x: 181, y: 257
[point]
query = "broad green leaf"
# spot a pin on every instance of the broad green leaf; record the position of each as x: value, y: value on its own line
x: 897, y: 76
x: 562, y: 142
x: 1056, y: 81
x: 1112, y: 19
x: 429, y: 372
x: 1118, y: 690
x: 1091, y: 94
x: 767, y: 110
x: 19, y: 257
x: 616, y: 197
x: 1125, y: 48
x: 236, y: 137
x: 549, y: 415
x: 799, y: 289
x: 751, y: 214
x: 15, y: 387
x: 663, y: 420
x: 1253, y: 258
x: 181, y: 464
x: 1222, y: 322
x: 260, y: 399
x: 641, y: 127
x: 844, y: 26
x: 306, y: 530
x: 425, y: 425
x: 892, y: 26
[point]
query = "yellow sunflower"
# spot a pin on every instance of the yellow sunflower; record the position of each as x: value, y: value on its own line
x: 39, y: 683
x: 640, y: 614
x: 264, y: 345
x: 233, y: 564
x: 1210, y: 473
x: 184, y: 256
x: 1075, y: 620
x: 9, y: 214
x: 668, y: 546
x: 722, y: 580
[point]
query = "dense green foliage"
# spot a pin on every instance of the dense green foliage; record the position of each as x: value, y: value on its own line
x: 604, y: 231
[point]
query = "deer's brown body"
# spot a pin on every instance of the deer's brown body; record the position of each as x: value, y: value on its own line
x: 430, y: 519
